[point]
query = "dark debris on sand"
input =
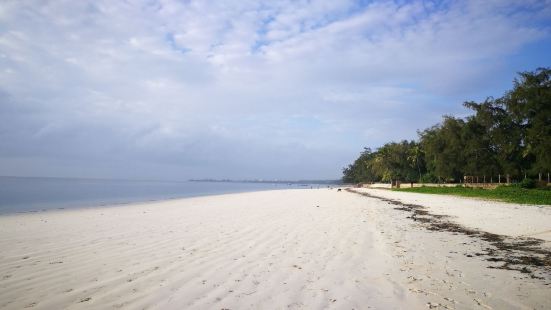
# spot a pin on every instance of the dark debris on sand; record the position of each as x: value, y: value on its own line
x: 520, y: 254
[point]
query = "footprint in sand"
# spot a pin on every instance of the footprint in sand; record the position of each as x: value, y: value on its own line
x: 85, y: 299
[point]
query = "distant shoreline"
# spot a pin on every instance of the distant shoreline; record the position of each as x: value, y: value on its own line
x: 26, y: 194
x: 299, y: 182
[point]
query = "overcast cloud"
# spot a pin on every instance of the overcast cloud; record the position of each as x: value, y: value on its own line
x: 244, y: 89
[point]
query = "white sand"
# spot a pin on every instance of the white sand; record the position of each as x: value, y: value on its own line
x: 491, y: 216
x: 263, y: 250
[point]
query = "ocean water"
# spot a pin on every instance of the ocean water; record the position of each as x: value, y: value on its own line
x: 21, y: 194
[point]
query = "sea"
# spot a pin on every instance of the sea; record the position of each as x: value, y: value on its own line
x: 35, y: 194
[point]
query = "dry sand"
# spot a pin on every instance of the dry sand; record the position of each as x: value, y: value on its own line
x: 311, y: 249
x: 491, y: 216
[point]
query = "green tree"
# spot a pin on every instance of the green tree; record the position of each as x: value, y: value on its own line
x: 510, y: 135
x: 500, y: 135
x: 394, y: 161
x: 530, y: 106
x: 360, y: 171
x: 444, y: 147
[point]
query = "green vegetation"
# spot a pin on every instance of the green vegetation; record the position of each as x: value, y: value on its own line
x: 507, y: 138
x: 515, y: 194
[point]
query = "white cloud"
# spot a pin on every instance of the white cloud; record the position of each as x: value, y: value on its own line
x: 239, y: 89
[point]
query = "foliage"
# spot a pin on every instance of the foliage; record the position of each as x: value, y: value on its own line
x: 443, y: 145
x: 514, y: 194
x: 428, y: 178
x: 527, y: 183
x: 393, y: 161
x: 507, y: 136
x: 360, y: 170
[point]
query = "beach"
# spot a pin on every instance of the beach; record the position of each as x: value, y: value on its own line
x: 280, y: 249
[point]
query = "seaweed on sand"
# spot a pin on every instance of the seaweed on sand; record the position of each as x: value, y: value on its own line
x: 525, y: 255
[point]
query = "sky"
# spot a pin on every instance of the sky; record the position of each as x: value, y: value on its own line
x: 172, y: 90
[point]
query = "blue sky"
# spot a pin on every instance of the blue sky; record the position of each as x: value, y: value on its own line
x: 244, y: 89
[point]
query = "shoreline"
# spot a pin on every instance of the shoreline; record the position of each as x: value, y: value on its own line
x: 140, y: 202
x: 124, y: 204
x: 306, y: 248
x: 47, y: 206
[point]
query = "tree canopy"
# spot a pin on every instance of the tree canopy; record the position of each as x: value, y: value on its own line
x: 510, y: 135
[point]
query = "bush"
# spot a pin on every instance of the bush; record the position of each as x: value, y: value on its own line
x: 527, y: 183
x: 428, y: 178
x: 542, y: 185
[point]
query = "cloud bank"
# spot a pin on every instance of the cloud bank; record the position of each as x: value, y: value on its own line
x: 243, y: 89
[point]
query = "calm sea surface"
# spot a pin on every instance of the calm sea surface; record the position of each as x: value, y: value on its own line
x: 19, y: 194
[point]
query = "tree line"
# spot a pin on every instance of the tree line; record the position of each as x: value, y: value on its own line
x: 507, y: 137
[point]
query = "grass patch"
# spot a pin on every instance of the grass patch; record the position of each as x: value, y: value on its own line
x: 502, y: 193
